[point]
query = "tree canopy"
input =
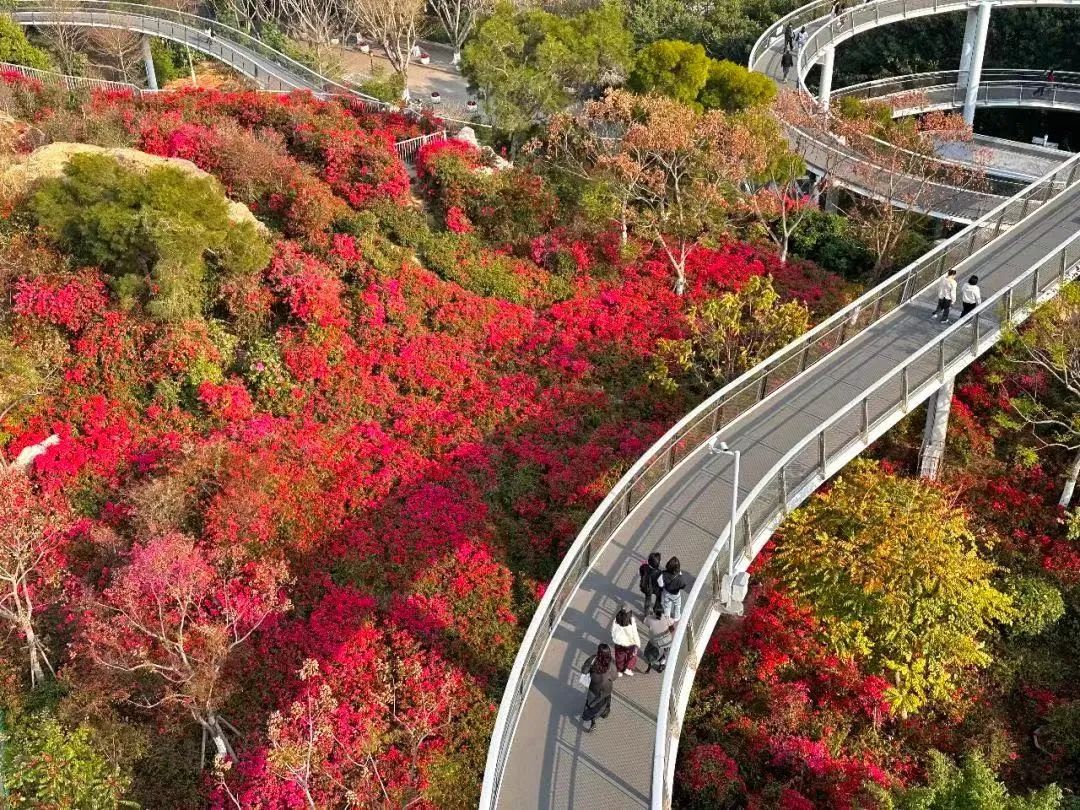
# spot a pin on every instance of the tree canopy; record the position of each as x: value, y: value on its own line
x: 531, y: 64
x: 895, y: 574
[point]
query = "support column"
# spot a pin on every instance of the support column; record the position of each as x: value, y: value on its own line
x: 832, y: 199
x: 148, y: 59
x: 974, y: 75
x: 968, y: 47
x: 937, y: 427
x: 825, y: 85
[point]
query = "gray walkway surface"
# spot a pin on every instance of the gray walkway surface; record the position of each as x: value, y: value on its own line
x: 553, y: 763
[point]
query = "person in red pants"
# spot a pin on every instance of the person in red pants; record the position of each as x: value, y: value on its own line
x: 624, y: 634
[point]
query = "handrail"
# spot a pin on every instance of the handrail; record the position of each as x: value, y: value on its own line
x: 194, y: 28
x: 699, y: 617
x: 64, y: 80
x: 690, y: 432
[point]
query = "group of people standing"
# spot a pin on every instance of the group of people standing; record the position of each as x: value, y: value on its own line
x: 970, y: 296
x: 661, y: 588
x: 793, y: 43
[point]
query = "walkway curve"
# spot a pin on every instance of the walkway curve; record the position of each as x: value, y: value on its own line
x: 267, y: 67
x: 822, y: 151
x: 798, y: 418
x: 919, y: 93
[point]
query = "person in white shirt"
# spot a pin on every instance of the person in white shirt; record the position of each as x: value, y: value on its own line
x: 624, y: 634
x: 946, y: 294
x: 971, y: 295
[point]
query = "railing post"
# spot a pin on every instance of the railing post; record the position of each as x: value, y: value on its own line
x: 1035, y: 285
x: 821, y: 452
x: 669, y: 459
x: 975, y: 335
x: 763, y: 386
x: 805, y: 357
x: 1008, y: 304
x: 783, y: 490
x: 941, y: 360
x: 866, y: 419
x: 971, y: 242
x: 904, y: 387
x: 1064, y: 265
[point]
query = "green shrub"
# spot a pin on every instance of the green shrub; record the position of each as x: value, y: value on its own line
x: 732, y: 88
x: 163, y: 235
x: 46, y: 765
x: 830, y: 241
x: 16, y: 48
x: 1038, y: 604
x: 384, y: 86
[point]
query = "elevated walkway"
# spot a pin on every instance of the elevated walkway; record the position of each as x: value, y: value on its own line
x: 797, y: 418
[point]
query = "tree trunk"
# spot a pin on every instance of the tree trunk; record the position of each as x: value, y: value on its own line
x: 1070, y: 481
x: 213, y: 728
x: 37, y: 672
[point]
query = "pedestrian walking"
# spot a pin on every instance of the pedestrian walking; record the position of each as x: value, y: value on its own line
x: 789, y: 37
x: 600, y: 671
x: 786, y: 61
x: 624, y: 636
x: 661, y: 630
x: 971, y: 296
x: 800, y: 38
x: 648, y: 584
x: 837, y: 11
x: 946, y: 295
x: 1048, y: 81
x: 672, y: 584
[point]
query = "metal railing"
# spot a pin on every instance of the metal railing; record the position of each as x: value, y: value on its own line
x: 407, y: 149
x: 71, y: 83
x: 842, y: 436
x: 704, y: 421
x: 247, y: 54
x: 997, y: 86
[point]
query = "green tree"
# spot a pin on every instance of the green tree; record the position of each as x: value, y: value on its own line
x: 46, y: 765
x: 893, y: 570
x: 531, y: 64
x: 16, y: 48
x: 1049, y: 400
x: 733, y: 88
x: 971, y: 786
x: 672, y: 68
x: 728, y: 335
x: 162, y: 234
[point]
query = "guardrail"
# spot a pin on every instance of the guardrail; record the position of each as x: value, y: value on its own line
x: 241, y: 50
x: 819, y: 455
x: 997, y: 86
x: 704, y: 421
x: 72, y: 83
x: 407, y: 149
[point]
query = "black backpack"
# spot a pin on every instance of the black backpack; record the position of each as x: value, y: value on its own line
x: 647, y: 578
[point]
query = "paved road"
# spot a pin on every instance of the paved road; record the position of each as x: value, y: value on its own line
x: 552, y: 763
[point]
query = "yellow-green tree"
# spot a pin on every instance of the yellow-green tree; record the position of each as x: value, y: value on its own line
x: 894, y: 572
x: 728, y: 335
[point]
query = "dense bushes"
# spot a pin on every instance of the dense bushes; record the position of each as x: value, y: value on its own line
x: 164, y: 236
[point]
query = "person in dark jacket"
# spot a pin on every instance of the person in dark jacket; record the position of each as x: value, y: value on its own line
x: 648, y: 584
x: 601, y: 671
x: 786, y: 61
x: 672, y: 584
x: 789, y: 37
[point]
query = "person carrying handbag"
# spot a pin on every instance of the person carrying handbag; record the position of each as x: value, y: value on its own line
x: 600, y: 671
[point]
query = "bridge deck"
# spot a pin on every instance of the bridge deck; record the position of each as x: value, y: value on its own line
x: 552, y: 763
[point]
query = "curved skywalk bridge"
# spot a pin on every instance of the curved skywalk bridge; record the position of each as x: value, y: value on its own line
x: 267, y: 67
x: 797, y: 419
